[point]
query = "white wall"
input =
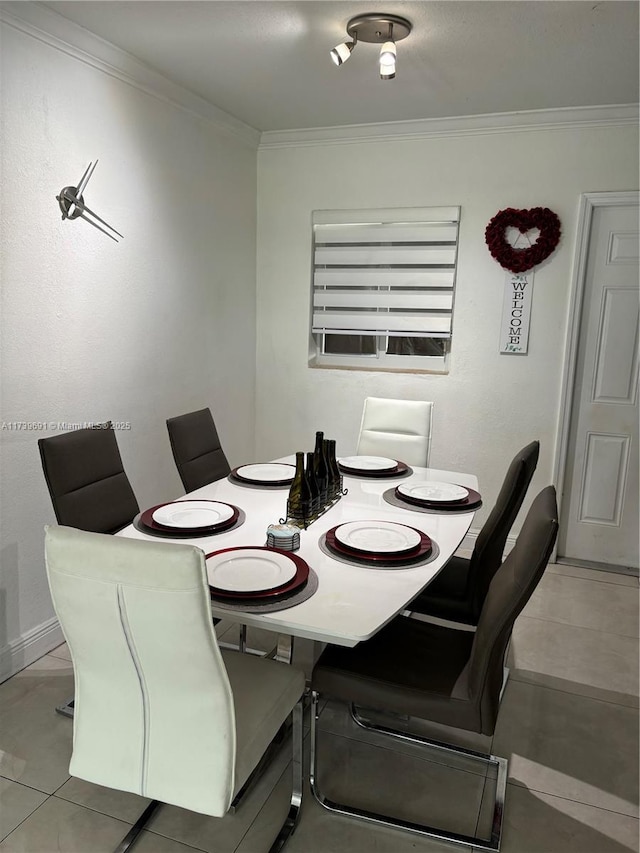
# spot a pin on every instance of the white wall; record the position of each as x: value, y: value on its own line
x: 156, y: 325
x: 489, y: 405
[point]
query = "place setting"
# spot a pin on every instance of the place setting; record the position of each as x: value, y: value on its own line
x: 379, y: 544
x: 189, y: 519
x: 268, y: 475
x: 259, y: 579
x: 431, y: 496
x: 373, y: 466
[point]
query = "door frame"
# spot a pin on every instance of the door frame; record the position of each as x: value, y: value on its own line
x: 588, y: 204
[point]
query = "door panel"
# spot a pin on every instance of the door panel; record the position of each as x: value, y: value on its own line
x: 599, y: 521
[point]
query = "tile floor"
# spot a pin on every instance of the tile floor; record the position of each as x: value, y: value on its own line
x: 568, y: 725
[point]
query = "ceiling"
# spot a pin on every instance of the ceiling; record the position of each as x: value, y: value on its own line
x: 267, y: 63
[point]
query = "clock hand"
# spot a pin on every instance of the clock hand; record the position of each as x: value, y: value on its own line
x: 81, y: 206
x: 95, y: 225
x: 84, y: 180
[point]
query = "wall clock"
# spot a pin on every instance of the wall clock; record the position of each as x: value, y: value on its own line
x: 72, y: 205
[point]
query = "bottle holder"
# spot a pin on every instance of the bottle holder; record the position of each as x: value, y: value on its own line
x: 302, y: 517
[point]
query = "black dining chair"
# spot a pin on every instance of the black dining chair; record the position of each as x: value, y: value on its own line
x: 458, y: 592
x: 86, y: 480
x: 440, y: 674
x: 88, y: 486
x: 196, y: 449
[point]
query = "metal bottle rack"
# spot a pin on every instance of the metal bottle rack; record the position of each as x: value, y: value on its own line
x: 304, y: 519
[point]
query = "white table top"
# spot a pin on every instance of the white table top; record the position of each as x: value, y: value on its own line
x: 352, y: 602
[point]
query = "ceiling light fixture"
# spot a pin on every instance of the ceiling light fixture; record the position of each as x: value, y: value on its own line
x: 385, y: 30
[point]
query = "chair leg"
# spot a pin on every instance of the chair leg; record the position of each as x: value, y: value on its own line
x: 67, y: 708
x: 293, y: 815
x: 397, y: 823
x: 130, y: 838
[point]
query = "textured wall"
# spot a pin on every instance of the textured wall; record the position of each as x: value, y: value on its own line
x: 489, y: 405
x: 159, y: 324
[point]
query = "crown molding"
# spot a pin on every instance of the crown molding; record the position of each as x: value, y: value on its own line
x: 52, y: 29
x: 565, y: 118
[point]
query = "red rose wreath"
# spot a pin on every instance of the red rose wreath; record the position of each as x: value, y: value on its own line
x: 520, y: 260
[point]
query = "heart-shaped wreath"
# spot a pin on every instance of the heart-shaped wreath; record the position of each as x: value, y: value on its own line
x: 520, y: 260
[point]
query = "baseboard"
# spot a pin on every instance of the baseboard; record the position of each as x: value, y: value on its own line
x: 22, y: 652
x: 469, y: 543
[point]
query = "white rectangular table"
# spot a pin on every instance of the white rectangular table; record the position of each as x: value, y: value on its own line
x: 352, y: 602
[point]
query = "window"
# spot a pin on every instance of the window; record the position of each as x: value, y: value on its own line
x: 383, y: 284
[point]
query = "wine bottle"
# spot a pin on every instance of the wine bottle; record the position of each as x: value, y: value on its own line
x: 299, y: 503
x: 335, y: 477
x: 313, y: 487
x: 320, y: 469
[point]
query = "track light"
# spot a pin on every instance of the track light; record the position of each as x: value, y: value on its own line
x: 385, y: 30
x: 388, y: 61
x: 342, y: 52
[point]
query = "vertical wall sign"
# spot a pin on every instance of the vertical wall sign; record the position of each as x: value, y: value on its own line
x: 516, y: 313
x: 541, y: 229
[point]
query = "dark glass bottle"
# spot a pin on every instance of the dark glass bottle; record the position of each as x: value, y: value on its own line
x: 320, y: 469
x: 335, y: 477
x: 299, y: 503
x: 313, y: 487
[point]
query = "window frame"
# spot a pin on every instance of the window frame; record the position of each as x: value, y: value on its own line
x: 387, y: 219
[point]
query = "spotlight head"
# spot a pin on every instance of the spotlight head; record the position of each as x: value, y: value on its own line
x: 388, y: 61
x: 342, y: 52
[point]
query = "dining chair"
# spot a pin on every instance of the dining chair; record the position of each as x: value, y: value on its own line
x: 440, y: 674
x: 88, y: 486
x: 86, y: 480
x: 398, y: 429
x: 161, y: 711
x: 458, y: 592
x: 196, y: 449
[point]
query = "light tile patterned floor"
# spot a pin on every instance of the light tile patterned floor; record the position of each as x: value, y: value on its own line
x: 568, y: 725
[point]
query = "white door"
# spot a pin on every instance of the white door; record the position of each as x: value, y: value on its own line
x: 599, y: 518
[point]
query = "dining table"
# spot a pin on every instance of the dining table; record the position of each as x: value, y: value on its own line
x: 352, y: 600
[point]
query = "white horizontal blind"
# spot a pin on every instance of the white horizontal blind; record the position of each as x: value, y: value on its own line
x: 392, y: 277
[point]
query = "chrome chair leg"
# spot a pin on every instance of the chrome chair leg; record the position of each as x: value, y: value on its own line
x: 493, y: 843
x: 67, y: 708
x: 130, y: 838
x: 293, y: 815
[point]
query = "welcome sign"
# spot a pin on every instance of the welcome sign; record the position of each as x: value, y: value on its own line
x: 516, y: 313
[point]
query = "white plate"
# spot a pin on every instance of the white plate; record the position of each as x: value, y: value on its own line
x: 192, y: 514
x: 378, y: 537
x: 429, y: 490
x: 369, y: 463
x: 269, y: 473
x: 249, y: 571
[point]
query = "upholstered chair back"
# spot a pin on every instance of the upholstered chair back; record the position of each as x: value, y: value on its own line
x: 87, y: 482
x: 196, y: 449
x: 154, y: 710
x: 490, y: 544
x: 398, y: 429
x: 509, y: 591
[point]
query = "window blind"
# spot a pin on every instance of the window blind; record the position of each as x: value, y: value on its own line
x: 386, y: 277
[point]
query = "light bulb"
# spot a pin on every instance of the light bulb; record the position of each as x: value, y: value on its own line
x: 388, y: 61
x: 342, y: 52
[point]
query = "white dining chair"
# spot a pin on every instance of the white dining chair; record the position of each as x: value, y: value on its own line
x: 398, y: 429
x: 160, y: 710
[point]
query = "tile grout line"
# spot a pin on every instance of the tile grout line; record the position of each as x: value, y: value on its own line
x: 523, y: 615
x: 514, y: 677
x: 27, y: 817
x: 517, y: 784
